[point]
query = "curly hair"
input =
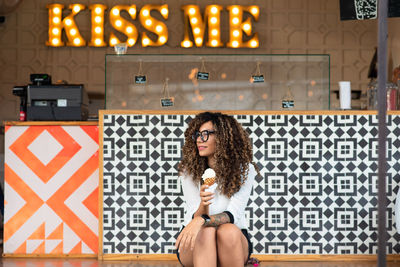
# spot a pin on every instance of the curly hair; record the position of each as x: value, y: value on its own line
x: 233, y: 152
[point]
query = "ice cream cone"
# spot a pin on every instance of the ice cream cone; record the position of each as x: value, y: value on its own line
x: 209, y: 177
x: 209, y: 181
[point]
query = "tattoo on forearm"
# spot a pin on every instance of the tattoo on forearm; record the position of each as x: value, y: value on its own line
x: 218, y: 219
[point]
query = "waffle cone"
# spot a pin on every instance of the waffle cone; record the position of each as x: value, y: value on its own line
x: 209, y: 181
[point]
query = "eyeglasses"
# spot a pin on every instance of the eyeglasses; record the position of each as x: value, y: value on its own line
x: 203, y: 135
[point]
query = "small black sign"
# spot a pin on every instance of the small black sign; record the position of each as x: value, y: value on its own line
x: 202, y: 75
x: 287, y: 103
x: 167, y: 102
x: 141, y: 79
x: 366, y: 9
x: 257, y: 78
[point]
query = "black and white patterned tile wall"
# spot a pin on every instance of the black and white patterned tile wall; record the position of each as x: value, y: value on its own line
x: 317, y: 193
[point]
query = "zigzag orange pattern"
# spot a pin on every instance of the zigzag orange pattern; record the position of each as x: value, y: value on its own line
x: 51, y: 209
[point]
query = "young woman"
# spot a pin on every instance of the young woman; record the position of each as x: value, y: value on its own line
x: 214, y: 232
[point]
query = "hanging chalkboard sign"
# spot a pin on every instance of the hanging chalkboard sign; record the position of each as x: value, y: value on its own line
x: 366, y: 9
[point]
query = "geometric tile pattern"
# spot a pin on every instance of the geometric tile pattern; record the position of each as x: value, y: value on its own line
x: 316, y: 193
x: 51, y: 190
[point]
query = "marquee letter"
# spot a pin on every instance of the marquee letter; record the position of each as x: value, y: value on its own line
x: 153, y: 25
x: 97, y: 11
x: 123, y: 25
x: 68, y: 23
x: 237, y: 27
x: 55, y: 26
x: 193, y: 19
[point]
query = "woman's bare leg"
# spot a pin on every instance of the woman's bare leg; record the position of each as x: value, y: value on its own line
x: 204, y: 252
x: 232, y: 246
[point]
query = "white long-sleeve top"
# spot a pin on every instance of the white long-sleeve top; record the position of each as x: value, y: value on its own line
x: 235, y: 205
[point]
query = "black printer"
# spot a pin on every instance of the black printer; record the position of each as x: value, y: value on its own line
x: 53, y: 102
x: 43, y: 101
x: 57, y: 102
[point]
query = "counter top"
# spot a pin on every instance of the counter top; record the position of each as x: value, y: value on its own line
x: 251, y: 112
x: 41, y: 123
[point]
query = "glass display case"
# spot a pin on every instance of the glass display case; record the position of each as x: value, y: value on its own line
x: 218, y: 82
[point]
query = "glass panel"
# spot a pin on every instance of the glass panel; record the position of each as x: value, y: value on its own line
x: 229, y: 86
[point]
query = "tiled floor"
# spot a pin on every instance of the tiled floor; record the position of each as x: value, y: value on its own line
x: 7, y: 262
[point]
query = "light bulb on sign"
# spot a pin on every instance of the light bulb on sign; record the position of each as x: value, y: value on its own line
x: 76, y: 8
x: 131, y: 41
x: 192, y: 11
x: 145, y: 42
x: 145, y: 12
x: 254, y: 10
x: 164, y: 11
x: 186, y: 44
x: 246, y: 27
x: 254, y: 43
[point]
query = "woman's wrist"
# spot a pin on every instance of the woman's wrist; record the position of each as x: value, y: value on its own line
x: 217, y: 220
x: 199, y: 220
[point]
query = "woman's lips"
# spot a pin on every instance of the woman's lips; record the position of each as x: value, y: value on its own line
x: 200, y: 148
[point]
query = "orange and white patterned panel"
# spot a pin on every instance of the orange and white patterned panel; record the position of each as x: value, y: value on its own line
x: 51, y: 190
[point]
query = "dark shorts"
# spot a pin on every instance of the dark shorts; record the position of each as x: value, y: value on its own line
x: 245, y: 233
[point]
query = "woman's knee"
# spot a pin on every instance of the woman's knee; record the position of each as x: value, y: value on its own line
x: 206, y: 235
x: 228, y: 235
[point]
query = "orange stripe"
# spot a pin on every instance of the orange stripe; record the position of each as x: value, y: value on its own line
x: 56, y: 202
x: 92, y: 131
x: 33, y: 202
x: 92, y: 202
